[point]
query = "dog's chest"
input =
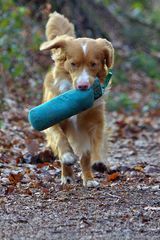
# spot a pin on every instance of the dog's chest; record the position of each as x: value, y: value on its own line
x: 74, y: 122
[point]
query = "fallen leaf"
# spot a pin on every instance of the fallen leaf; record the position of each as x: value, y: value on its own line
x: 139, y: 168
x: 45, y: 191
x: 112, y: 177
x: 41, y: 165
x: 15, y: 178
x: 27, y: 192
x: 9, y: 189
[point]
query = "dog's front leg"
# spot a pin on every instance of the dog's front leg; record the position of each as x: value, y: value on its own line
x: 66, y: 174
x: 59, y: 144
x: 87, y: 176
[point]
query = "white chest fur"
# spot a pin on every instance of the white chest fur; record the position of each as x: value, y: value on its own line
x: 64, y: 85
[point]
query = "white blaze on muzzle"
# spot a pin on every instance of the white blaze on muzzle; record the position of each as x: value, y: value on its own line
x: 83, y: 80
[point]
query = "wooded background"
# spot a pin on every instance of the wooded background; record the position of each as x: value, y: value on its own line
x: 132, y: 27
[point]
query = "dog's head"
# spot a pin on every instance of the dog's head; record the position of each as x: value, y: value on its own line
x: 83, y: 58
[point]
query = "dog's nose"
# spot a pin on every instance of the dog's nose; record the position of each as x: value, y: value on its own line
x: 83, y: 86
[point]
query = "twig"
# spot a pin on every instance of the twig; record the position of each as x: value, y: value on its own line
x: 112, y: 195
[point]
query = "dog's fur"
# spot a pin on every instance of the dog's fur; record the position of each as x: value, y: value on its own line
x: 77, y: 62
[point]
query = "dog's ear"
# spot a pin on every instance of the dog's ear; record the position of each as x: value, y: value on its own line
x: 58, y: 42
x: 108, y: 51
x: 52, y: 44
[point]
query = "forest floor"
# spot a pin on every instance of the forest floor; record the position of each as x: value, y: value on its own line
x: 34, y: 205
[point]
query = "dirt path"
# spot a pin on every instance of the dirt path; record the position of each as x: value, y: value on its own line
x: 127, y: 210
x: 123, y: 210
x: 33, y: 204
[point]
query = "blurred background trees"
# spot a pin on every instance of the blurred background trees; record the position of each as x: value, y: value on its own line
x: 132, y: 26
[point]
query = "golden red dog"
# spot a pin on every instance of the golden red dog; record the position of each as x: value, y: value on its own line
x: 77, y: 62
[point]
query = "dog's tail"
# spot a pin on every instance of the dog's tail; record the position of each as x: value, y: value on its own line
x: 58, y: 25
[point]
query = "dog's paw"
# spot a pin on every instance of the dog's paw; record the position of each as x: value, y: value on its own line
x: 66, y: 180
x: 90, y: 183
x: 99, y: 167
x: 69, y: 158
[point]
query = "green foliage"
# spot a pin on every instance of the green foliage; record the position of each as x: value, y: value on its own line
x: 1, y: 124
x: 106, y: 2
x: 137, y: 5
x: 145, y: 62
x: 36, y: 40
x: 119, y: 77
x: 15, y: 40
x: 155, y: 16
x: 12, y: 40
x: 117, y: 102
x: 153, y: 103
x: 157, y: 84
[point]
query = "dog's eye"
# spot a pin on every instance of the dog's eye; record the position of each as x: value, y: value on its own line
x: 73, y: 64
x: 93, y: 64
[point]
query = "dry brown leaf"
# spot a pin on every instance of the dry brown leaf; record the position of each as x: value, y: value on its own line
x: 45, y: 190
x: 27, y: 191
x: 35, y: 184
x: 15, y: 178
x: 112, y: 177
x: 41, y: 165
x: 9, y: 189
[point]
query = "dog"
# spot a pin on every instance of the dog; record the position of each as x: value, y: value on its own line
x: 77, y: 62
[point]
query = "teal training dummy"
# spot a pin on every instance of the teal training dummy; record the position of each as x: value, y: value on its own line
x: 66, y: 105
